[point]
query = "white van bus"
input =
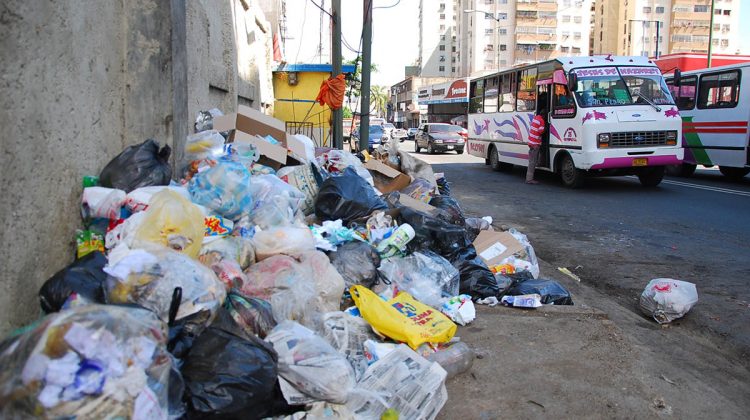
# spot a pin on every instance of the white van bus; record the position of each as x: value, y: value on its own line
x: 606, y: 116
x: 715, y: 108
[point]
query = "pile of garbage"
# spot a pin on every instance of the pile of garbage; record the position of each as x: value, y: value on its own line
x: 273, y: 279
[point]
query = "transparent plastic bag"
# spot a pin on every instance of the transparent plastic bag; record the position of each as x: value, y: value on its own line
x: 430, y: 278
x: 174, y: 222
x: 420, y: 189
x: 234, y: 248
x: 303, y: 178
x: 101, y: 202
x: 275, y: 203
x: 311, y: 368
x: 288, y: 240
x: 90, y: 362
x: 140, y: 198
x: 298, y: 288
x: 357, y: 262
x: 223, y: 188
x: 253, y: 315
x: 347, y: 334
x: 148, y: 277
x: 336, y: 161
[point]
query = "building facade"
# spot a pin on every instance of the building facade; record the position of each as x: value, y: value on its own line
x: 460, y: 38
x: 655, y: 27
x: 406, y: 110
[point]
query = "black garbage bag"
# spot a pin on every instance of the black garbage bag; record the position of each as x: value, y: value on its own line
x: 229, y: 374
x: 85, y: 277
x: 347, y: 197
x: 551, y: 291
x: 252, y: 314
x: 183, y: 332
x: 451, y: 243
x: 477, y: 280
x: 451, y: 210
x: 138, y: 166
x: 357, y: 262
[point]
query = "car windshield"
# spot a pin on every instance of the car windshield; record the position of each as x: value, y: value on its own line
x: 376, y: 129
x: 389, y: 126
x: 445, y: 128
x: 612, y: 86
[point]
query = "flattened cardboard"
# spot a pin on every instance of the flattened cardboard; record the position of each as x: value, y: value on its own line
x: 494, y: 247
x: 251, y: 121
x: 274, y: 152
x: 386, y: 178
x: 416, y: 204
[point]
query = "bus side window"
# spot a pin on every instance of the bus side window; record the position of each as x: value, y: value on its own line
x: 719, y: 90
x: 508, y: 90
x: 563, y: 105
x: 477, y: 95
x: 685, y: 97
x: 526, y: 99
x: 490, y: 95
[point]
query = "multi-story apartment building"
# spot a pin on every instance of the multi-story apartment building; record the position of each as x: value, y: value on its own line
x: 630, y: 27
x: 486, y: 35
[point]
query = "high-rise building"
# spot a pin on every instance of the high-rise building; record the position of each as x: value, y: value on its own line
x: 648, y: 27
x: 458, y: 38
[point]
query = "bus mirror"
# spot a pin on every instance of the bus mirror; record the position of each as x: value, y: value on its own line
x: 572, y: 81
x: 677, y: 77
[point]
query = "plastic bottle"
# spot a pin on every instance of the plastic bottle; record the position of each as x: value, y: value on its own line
x: 391, y: 245
x: 456, y: 358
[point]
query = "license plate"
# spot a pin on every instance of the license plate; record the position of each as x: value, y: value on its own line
x: 640, y: 162
x: 450, y: 147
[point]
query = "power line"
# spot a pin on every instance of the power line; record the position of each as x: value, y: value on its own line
x: 388, y: 7
x: 322, y: 9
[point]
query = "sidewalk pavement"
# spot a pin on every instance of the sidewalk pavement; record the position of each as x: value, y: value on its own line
x: 574, y: 362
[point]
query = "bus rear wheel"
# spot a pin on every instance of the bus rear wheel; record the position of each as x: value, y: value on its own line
x: 571, y: 176
x: 734, y: 173
x: 651, y: 177
x: 495, y: 162
x: 684, y: 170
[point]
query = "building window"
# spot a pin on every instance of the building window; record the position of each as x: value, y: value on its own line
x: 566, y: 18
x: 647, y: 10
x: 453, y: 69
x: 489, y: 47
x: 441, y: 68
x: 442, y: 27
x: 502, y: 31
x: 719, y: 90
x: 453, y: 59
x: 576, y: 50
x: 453, y: 48
x: 442, y: 16
x: 717, y: 11
x: 503, y: 1
x: 724, y: 42
x: 659, y: 9
x: 565, y: 49
x: 489, y: 31
x: 488, y: 1
x: 725, y: 28
x: 503, y: 62
x: 576, y: 35
x: 577, y: 19
x: 442, y: 58
x: 700, y: 8
x: 502, y: 16
x: 442, y: 37
x: 727, y: 12
x: 441, y: 47
x: 442, y: 7
x: 503, y: 47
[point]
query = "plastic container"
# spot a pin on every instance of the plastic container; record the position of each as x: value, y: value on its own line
x: 393, y: 244
x: 456, y: 358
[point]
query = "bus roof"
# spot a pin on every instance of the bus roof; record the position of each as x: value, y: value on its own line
x: 570, y: 63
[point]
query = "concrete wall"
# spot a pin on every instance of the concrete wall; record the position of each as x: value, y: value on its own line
x: 81, y: 80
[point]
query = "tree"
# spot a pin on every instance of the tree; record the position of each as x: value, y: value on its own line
x: 347, y: 112
x: 357, y: 76
x: 379, y: 99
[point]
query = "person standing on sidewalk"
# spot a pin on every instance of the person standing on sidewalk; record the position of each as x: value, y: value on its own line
x: 538, y: 125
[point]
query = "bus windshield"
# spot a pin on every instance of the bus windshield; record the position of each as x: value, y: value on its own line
x: 613, y: 86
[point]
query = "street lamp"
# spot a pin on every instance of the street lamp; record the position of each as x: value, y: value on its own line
x: 497, y: 35
x: 658, y: 24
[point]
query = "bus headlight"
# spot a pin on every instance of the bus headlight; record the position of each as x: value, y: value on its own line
x: 671, y: 138
x: 603, y: 140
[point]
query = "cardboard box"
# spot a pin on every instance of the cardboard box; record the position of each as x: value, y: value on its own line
x: 251, y: 121
x: 494, y: 247
x: 416, y: 204
x: 386, y: 178
x: 273, y: 155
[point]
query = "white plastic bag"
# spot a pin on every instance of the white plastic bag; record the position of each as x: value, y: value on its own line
x: 311, y: 369
x: 275, y: 203
x: 102, y: 202
x: 668, y: 299
x: 288, y: 240
x: 347, y: 334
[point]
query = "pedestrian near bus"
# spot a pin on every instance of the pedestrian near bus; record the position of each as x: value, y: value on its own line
x: 538, y: 125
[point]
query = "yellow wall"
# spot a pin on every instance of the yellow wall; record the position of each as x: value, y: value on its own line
x: 293, y: 103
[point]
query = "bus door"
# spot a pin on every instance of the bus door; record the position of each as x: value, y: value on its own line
x: 544, y: 101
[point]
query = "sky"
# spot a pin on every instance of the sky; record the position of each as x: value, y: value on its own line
x: 745, y: 25
x: 395, y: 34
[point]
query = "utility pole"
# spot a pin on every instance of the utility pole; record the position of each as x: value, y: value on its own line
x: 338, y: 114
x: 710, y: 36
x: 364, y: 121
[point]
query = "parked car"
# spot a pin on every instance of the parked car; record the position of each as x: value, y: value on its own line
x: 411, y: 132
x: 439, y: 137
x: 376, y: 136
x: 399, y: 134
x: 388, y: 128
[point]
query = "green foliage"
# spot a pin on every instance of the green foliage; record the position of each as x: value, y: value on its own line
x: 348, y: 112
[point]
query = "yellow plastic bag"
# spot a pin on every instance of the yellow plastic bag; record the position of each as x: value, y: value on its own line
x: 173, y: 221
x: 403, y: 318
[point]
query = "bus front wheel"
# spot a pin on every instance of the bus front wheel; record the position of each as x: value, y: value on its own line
x: 651, y: 177
x: 571, y: 176
x: 734, y: 174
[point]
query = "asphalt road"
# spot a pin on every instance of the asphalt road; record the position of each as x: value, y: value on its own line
x: 616, y: 236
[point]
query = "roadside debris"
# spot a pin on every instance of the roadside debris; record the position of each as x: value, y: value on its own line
x: 667, y: 299
x: 271, y: 279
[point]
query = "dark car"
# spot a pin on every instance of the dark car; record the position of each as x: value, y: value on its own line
x: 411, y: 132
x: 439, y: 137
x: 376, y: 136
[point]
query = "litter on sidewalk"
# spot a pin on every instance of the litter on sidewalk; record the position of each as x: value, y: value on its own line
x: 270, y: 278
